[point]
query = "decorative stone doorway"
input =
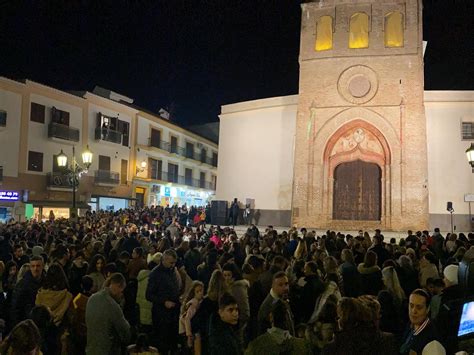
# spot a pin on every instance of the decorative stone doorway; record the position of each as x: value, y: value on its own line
x: 357, y: 191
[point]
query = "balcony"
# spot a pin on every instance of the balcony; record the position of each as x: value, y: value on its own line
x: 108, y: 135
x: 106, y: 177
x: 59, y: 180
x: 179, y: 179
x: 161, y: 145
x: 57, y: 130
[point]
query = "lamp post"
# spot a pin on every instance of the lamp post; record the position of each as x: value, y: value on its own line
x: 75, y: 170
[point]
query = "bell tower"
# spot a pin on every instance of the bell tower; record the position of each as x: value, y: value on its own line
x: 360, y: 154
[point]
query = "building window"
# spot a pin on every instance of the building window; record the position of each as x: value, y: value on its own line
x: 37, y: 112
x: 172, y: 172
x: 189, y: 150
x: 155, y: 168
x: 155, y: 138
x: 393, y: 29
x: 467, y: 130
x: 359, y: 30
x: 104, y: 163
x: 124, y: 128
x: 3, y: 118
x: 214, y: 159
x: 323, y: 34
x: 59, y: 116
x: 35, y: 161
x: 188, y: 177
x: 202, y: 180
x: 174, y: 145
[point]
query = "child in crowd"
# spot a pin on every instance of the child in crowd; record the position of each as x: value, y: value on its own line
x: 190, y: 306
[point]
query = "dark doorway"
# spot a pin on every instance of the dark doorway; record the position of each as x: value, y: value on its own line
x: 357, y: 191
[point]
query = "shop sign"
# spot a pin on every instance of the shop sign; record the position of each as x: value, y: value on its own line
x: 9, y: 195
x: 167, y: 191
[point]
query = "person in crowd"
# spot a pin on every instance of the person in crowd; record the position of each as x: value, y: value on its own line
x: 163, y: 291
x: 238, y: 288
x: 450, y: 309
x: 191, y: 304
x: 210, y: 306
x: 192, y: 259
x: 428, y: 268
x: 107, y: 329
x: 96, y: 272
x: 77, y: 271
x: 278, y: 291
x: 312, y: 289
x: 24, y: 293
x: 222, y: 328
x: 378, y: 248
x: 234, y: 212
x: 371, y: 276
x: 350, y: 275
x: 392, y: 285
x: 137, y: 263
x: 54, y: 293
x: 18, y: 256
x: 24, y: 338
x: 145, y: 306
x: 78, y: 328
x: 407, y: 274
x: 421, y: 335
x: 358, y: 333
x: 141, y: 346
x: 277, y: 339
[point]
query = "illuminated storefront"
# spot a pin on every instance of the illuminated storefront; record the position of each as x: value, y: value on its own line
x: 171, y: 195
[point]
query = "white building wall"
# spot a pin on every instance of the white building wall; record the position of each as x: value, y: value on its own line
x: 450, y: 176
x: 115, y: 151
x: 256, y: 153
x: 143, y: 138
x: 38, y: 140
x: 10, y: 135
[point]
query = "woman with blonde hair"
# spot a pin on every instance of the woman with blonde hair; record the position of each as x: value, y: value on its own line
x: 392, y: 284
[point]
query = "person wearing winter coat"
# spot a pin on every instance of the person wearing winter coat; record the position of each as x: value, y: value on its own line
x: 223, y: 337
x: 144, y: 305
x: 163, y: 291
x: 54, y: 293
x: 370, y: 275
x: 107, y: 329
x: 428, y: 268
x: 350, y: 275
x: 238, y: 288
x: 278, y: 340
x: 24, y: 293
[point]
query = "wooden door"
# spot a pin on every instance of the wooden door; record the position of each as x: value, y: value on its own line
x: 357, y: 191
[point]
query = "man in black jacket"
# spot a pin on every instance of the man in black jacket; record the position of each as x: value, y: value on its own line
x: 24, y: 294
x: 163, y: 291
x: 223, y: 338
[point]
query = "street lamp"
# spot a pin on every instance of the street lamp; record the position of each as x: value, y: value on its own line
x: 142, y: 166
x: 75, y: 170
x: 470, y: 155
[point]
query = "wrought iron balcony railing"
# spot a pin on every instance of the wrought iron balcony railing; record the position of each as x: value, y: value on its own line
x: 107, y: 177
x: 57, y: 130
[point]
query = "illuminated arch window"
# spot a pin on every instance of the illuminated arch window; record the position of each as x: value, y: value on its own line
x: 359, y: 31
x: 393, y: 29
x: 323, y: 34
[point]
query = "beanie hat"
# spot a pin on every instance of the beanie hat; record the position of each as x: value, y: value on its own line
x: 37, y: 250
x: 451, y: 274
x: 410, y: 251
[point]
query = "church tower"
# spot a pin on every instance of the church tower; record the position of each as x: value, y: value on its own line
x: 360, y: 153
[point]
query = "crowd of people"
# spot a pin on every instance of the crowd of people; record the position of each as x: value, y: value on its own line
x: 148, y: 280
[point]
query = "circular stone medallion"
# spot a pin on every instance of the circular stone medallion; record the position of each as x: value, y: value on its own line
x: 357, y: 84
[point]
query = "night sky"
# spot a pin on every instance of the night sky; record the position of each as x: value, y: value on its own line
x: 192, y: 56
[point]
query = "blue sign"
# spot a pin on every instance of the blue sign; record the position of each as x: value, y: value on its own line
x: 9, y: 195
x: 167, y: 191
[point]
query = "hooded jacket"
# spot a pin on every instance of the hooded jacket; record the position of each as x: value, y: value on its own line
x: 57, y: 301
x: 144, y: 305
x: 371, y: 279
